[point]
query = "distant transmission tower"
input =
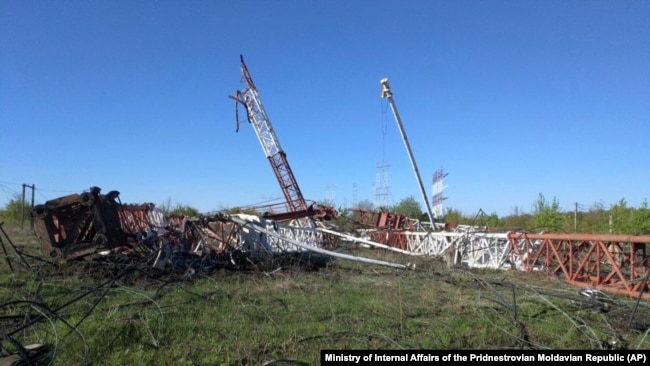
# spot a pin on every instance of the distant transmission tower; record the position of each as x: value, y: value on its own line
x: 438, y: 187
x: 354, y: 194
x: 330, y: 194
x: 383, y: 197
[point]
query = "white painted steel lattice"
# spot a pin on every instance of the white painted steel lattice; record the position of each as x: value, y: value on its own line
x: 260, y: 231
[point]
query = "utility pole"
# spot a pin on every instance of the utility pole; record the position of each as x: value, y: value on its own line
x: 575, y: 218
x: 22, y: 207
x: 610, y: 223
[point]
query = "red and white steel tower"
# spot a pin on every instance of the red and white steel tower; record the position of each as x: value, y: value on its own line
x: 257, y: 116
x: 438, y: 199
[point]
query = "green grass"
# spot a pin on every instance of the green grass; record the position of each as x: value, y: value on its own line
x: 236, y: 318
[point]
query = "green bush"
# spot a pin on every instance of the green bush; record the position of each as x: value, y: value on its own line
x: 12, y: 211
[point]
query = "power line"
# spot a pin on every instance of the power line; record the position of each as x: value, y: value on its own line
x: 42, y: 195
x: 9, y: 192
x: 8, y: 189
x: 16, y: 184
x: 45, y: 189
x: 62, y: 191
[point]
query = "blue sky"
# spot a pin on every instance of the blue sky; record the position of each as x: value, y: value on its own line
x: 511, y: 98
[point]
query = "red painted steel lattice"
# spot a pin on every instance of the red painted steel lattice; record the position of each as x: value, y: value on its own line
x: 614, y: 263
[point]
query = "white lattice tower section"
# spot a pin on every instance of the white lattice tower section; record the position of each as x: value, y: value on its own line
x: 382, y: 186
x: 438, y: 187
x: 330, y: 194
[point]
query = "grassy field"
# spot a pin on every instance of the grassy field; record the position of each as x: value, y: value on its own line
x: 290, y: 313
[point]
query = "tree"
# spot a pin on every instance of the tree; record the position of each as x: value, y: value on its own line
x: 14, y: 208
x: 185, y: 210
x: 177, y: 209
x: 594, y: 220
x: 343, y: 212
x: 355, y: 216
x: 518, y: 220
x: 491, y: 221
x: 641, y: 219
x: 408, y: 207
x: 365, y: 205
x: 453, y: 216
x: 620, y: 218
x: 547, y: 215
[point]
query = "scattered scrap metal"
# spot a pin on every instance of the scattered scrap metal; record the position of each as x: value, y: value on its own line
x: 120, y: 240
x: 141, y: 238
x: 612, y: 263
x: 91, y: 223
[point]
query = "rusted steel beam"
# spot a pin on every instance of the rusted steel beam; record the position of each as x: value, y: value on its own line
x: 614, y: 263
x: 320, y: 212
x: 288, y: 184
x: 78, y: 225
x: 135, y: 218
x: 384, y: 220
x: 393, y: 238
x: 64, y: 226
x: 106, y: 220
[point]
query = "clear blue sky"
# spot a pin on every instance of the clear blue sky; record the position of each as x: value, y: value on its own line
x: 511, y: 98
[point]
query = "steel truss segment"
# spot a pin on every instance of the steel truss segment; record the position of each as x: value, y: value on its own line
x: 260, y: 121
x: 257, y: 116
x: 294, y: 199
x: 484, y: 250
x: 290, y: 242
x: 354, y: 239
x: 480, y: 250
x: 615, y: 263
x: 522, y: 254
x: 308, y: 236
x: 253, y: 236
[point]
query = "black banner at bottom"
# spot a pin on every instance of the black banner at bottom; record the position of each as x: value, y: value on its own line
x: 418, y: 357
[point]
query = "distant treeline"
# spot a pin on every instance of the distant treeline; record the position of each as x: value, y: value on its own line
x: 619, y: 218
x: 545, y: 215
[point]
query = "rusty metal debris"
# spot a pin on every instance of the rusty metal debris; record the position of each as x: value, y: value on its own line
x: 142, y: 239
x: 91, y: 223
x: 74, y: 225
x: 383, y: 219
x: 138, y: 241
x: 94, y: 224
x: 322, y: 251
x: 612, y: 263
